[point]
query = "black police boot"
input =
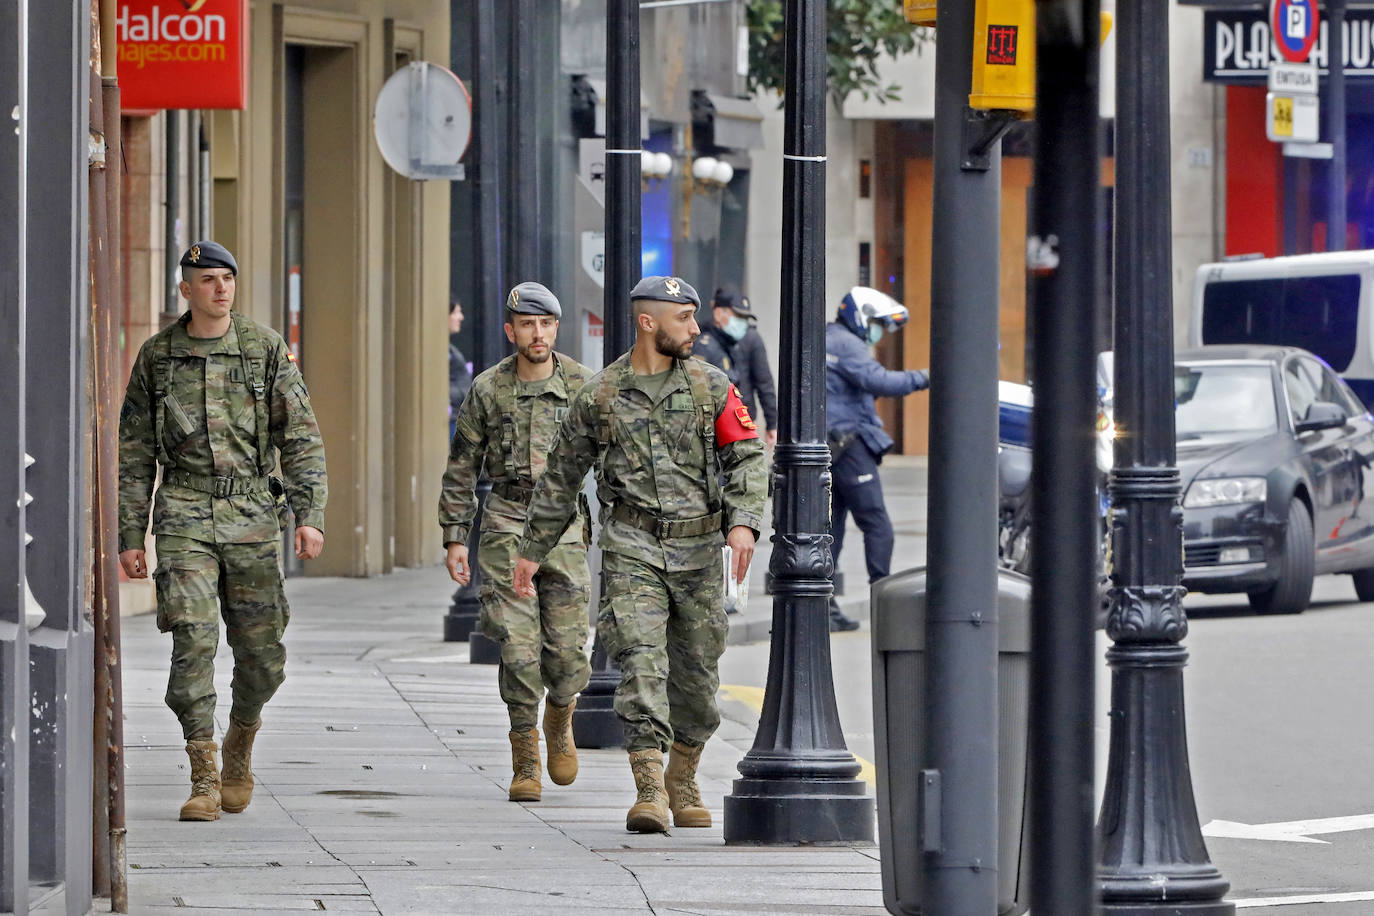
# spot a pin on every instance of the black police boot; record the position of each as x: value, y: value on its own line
x: 839, y: 623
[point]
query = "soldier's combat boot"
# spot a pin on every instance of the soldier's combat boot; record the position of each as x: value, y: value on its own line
x: 558, y: 736
x: 236, y: 784
x: 684, y: 798
x: 203, y: 805
x: 524, y: 761
x: 649, y: 814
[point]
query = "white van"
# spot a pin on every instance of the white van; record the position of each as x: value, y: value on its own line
x: 1323, y: 303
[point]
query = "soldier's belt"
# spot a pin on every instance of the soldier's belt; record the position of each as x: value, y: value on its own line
x: 667, y: 528
x: 217, y: 486
x: 515, y: 492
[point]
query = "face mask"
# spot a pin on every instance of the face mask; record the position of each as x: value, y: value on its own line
x: 736, y: 328
x: 875, y: 332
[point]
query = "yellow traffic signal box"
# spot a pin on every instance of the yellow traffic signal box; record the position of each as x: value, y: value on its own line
x: 1004, y: 55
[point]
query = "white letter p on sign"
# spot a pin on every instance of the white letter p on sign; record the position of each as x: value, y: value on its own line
x: 1297, y: 22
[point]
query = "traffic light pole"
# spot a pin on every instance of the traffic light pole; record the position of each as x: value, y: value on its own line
x: 594, y: 722
x: 1154, y: 860
x: 1335, y: 90
x: 960, y: 875
x: 1064, y: 258
x: 799, y: 783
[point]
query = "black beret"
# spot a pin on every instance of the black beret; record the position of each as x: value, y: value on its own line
x: 209, y: 254
x: 727, y: 297
x: 665, y: 289
x: 530, y: 298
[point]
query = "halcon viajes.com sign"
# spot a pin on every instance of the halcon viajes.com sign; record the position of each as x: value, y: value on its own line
x: 1238, y: 46
x: 182, y: 53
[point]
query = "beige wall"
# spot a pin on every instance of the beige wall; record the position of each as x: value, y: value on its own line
x: 374, y: 347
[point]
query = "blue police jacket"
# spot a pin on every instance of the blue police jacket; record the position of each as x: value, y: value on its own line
x: 853, y: 378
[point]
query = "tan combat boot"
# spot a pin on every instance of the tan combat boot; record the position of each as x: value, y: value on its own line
x: 524, y: 761
x: 649, y: 814
x: 203, y: 805
x: 558, y: 735
x: 236, y: 786
x: 684, y: 798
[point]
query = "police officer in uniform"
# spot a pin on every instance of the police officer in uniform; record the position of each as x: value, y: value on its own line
x: 853, y: 378
x: 680, y: 472
x: 509, y: 421
x: 209, y: 398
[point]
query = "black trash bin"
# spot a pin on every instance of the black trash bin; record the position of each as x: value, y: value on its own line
x: 899, y: 622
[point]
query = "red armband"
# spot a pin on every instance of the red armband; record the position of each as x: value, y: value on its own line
x: 734, y: 422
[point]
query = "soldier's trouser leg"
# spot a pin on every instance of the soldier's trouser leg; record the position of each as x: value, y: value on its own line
x: 564, y: 585
x: 513, y: 623
x: 857, y: 474
x: 696, y: 639
x: 187, y: 580
x: 649, y: 616
x: 255, y: 617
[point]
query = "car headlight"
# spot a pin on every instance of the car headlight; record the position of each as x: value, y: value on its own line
x: 1225, y: 491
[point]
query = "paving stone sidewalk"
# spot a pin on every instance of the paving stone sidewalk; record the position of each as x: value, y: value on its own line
x: 381, y: 771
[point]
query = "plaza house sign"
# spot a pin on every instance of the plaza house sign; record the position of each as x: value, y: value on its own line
x: 1237, y: 47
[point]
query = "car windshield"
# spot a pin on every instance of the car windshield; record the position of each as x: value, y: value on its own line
x: 1223, y: 400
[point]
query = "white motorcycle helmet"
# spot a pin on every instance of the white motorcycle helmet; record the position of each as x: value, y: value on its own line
x: 870, y: 313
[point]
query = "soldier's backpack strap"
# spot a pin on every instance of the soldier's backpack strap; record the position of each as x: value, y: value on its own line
x: 504, y: 390
x: 253, y: 353
x: 162, y: 383
x: 700, y: 382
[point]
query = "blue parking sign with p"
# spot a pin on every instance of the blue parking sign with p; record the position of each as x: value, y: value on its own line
x: 1293, y: 24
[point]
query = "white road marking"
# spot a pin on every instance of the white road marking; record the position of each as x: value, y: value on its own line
x: 1289, y: 831
x: 1300, y: 899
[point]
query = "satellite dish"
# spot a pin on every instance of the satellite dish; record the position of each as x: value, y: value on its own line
x: 423, y: 122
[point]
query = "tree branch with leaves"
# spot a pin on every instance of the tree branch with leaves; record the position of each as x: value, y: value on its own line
x: 857, y: 33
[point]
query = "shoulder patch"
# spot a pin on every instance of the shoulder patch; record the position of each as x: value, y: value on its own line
x: 734, y: 423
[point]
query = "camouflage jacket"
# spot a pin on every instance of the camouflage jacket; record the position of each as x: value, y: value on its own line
x: 209, y: 399
x: 660, y: 457
x: 513, y: 433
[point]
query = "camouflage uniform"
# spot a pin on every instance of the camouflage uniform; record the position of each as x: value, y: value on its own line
x: 543, y: 640
x: 209, y: 410
x: 663, y: 511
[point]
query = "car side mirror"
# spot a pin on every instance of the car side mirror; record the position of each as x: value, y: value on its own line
x: 1321, y: 415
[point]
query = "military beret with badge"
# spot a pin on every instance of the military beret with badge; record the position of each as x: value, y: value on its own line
x: 665, y: 289
x: 209, y: 254
x: 530, y: 298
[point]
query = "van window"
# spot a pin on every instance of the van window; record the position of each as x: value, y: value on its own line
x: 1318, y: 314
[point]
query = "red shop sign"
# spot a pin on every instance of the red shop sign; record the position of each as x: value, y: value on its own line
x: 182, y: 53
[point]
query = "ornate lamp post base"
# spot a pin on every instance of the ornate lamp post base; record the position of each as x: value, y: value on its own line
x: 799, y: 811
x: 595, y: 724
x: 1154, y: 857
x: 461, y: 620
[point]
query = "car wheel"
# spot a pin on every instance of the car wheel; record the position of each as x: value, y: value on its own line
x: 1364, y: 584
x: 1293, y: 591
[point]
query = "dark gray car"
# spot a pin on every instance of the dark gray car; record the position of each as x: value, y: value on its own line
x: 1273, y: 449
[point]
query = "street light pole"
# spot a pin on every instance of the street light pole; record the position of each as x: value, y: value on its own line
x: 1154, y: 860
x: 463, y: 614
x: 1335, y: 88
x: 1064, y: 258
x: 594, y: 721
x: 799, y: 783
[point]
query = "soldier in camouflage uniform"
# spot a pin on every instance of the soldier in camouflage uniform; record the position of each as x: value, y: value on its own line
x: 207, y: 399
x: 509, y: 420
x: 658, y: 426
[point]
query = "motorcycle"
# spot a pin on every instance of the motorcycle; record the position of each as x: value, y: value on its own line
x: 1014, y: 472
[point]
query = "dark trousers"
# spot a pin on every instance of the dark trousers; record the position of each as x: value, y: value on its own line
x: 856, y: 488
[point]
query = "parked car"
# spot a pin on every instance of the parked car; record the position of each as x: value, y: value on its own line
x: 1273, y: 450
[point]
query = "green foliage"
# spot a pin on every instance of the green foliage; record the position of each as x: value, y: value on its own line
x: 857, y: 31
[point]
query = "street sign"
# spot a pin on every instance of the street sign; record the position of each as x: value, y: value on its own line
x: 594, y: 256
x: 1293, y: 79
x: 1307, y: 150
x: 1293, y: 24
x: 1290, y: 118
